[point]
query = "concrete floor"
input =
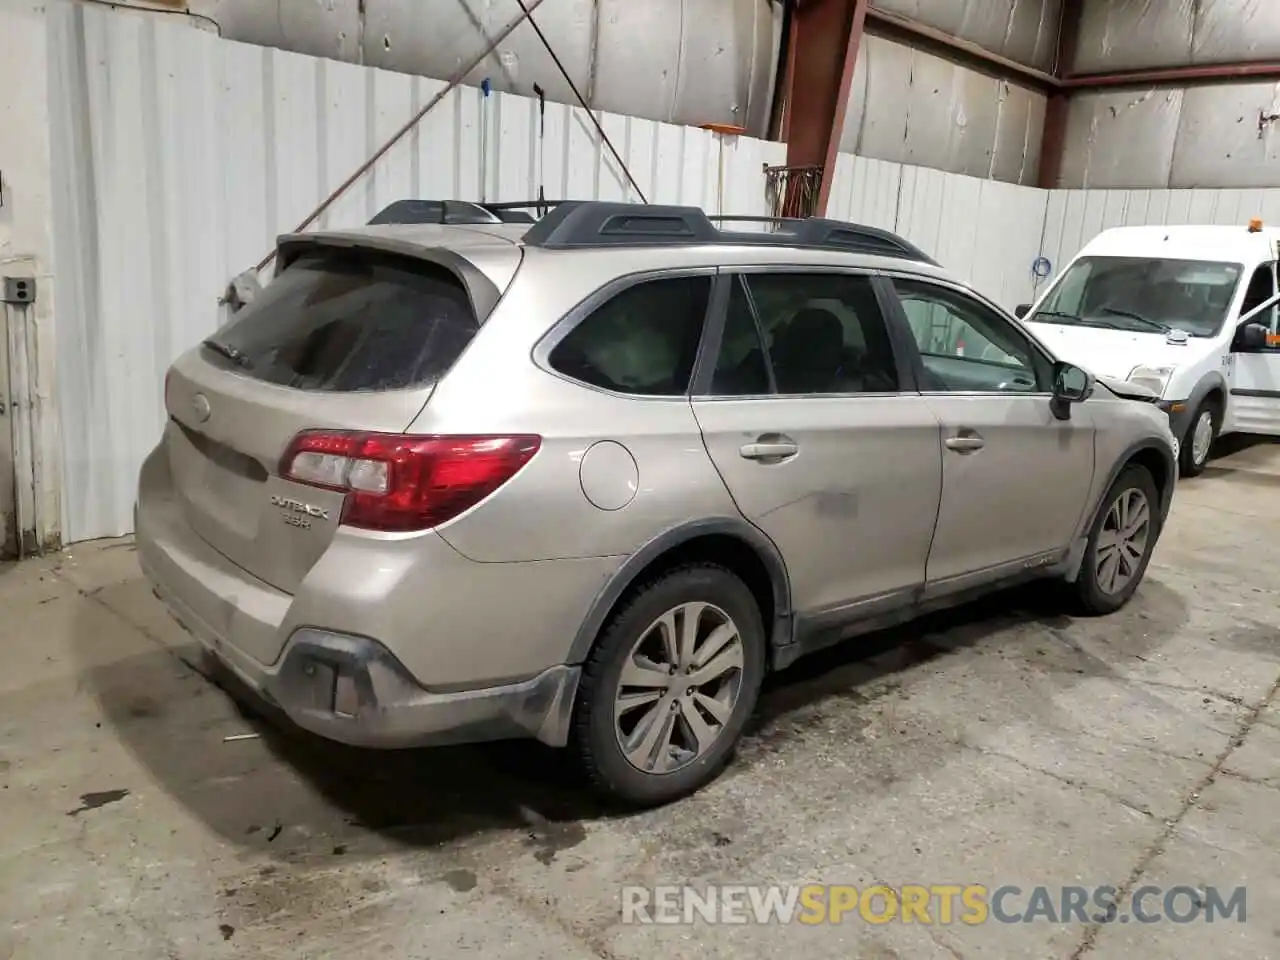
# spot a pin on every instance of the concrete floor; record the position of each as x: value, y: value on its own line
x: 1001, y: 745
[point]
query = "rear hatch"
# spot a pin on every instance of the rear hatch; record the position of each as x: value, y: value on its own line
x: 346, y: 338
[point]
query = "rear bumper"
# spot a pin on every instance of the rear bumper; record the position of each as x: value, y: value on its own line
x: 353, y: 690
x: 332, y: 679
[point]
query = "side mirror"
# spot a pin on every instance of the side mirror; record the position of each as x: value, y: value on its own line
x: 1021, y: 310
x: 1250, y: 337
x: 1071, y: 384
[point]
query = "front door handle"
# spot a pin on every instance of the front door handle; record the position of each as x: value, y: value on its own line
x: 965, y: 444
x: 769, y: 450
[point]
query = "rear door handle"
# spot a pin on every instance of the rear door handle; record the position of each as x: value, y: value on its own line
x: 966, y: 444
x: 772, y: 450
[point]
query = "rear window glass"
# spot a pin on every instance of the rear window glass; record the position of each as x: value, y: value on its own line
x: 343, y: 321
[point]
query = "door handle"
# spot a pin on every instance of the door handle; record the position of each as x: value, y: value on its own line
x: 965, y: 444
x: 772, y: 450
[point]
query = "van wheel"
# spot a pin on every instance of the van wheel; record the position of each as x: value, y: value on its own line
x: 669, y: 686
x: 1199, y: 439
x: 1120, y: 543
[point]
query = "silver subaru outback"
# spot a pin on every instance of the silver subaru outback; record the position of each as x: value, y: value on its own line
x: 589, y: 478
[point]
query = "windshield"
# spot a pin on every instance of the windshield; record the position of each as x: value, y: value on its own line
x: 1143, y: 295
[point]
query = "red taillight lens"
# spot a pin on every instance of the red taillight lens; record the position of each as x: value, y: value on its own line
x: 396, y: 482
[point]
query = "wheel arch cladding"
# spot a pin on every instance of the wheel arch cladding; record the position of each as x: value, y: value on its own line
x: 727, y: 542
x: 1212, y: 384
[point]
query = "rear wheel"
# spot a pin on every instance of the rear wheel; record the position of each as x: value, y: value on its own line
x: 1199, y: 439
x: 670, y: 685
x: 1120, y: 543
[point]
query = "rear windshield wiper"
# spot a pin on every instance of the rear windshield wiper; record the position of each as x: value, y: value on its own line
x: 238, y: 357
x: 1153, y: 324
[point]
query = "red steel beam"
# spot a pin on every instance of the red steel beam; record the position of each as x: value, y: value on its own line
x: 1168, y: 76
x: 1053, y: 137
x: 897, y: 27
x: 825, y: 36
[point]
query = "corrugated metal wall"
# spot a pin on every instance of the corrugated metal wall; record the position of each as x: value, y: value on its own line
x: 1201, y: 137
x: 912, y: 107
x: 671, y: 60
x: 179, y: 157
x: 986, y: 231
x: 1074, y: 217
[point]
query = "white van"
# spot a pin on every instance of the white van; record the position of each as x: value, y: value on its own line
x: 1187, y: 312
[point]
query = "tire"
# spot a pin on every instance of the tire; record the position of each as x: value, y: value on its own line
x: 634, y: 631
x: 1094, y: 596
x: 1188, y: 465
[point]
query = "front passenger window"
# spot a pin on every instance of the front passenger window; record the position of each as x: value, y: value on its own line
x: 967, y: 347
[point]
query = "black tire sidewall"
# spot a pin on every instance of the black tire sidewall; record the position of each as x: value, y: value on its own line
x: 1092, y: 598
x: 1187, y: 465
x: 596, y: 741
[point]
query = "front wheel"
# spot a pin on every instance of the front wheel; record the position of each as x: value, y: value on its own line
x: 1120, y: 543
x: 669, y: 686
x: 1196, y: 445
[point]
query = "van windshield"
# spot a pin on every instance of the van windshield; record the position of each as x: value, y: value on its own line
x: 1143, y: 295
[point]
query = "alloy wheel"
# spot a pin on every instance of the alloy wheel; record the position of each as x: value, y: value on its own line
x: 1202, y: 436
x: 678, y: 689
x: 1122, y: 541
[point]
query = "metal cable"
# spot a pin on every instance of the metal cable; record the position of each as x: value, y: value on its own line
x: 449, y: 87
x: 528, y: 12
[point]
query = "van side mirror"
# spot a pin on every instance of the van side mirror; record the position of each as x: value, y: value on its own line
x: 1021, y: 310
x: 1071, y: 384
x: 1250, y: 337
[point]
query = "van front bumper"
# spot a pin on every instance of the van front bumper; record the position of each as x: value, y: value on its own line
x: 1179, y: 413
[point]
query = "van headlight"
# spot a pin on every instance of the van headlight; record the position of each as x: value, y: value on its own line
x: 1153, y: 378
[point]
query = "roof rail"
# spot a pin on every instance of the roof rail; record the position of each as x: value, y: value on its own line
x: 461, y: 212
x: 579, y: 224
x: 576, y: 224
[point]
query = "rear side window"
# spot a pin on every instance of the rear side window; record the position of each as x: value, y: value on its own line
x: 642, y: 341
x: 350, y: 321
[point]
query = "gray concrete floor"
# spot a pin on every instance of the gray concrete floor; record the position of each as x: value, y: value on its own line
x: 1000, y: 744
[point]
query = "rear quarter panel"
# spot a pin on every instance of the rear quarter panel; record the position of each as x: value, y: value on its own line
x: 543, y: 513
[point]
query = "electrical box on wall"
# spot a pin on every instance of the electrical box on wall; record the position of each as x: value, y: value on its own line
x: 17, y: 289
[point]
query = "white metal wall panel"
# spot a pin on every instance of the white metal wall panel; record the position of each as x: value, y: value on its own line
x: 986, y: 231
x: 1074, y: 217
x: 183, y: 156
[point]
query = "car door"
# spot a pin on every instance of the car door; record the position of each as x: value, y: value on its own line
x: 1015, y: 479
x: 808, y: 412
x: 1255, y: 370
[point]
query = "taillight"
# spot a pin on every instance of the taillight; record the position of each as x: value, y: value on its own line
x: 396, y: 482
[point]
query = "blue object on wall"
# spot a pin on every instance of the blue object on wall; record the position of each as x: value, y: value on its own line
x: 485, y: 86
x: 1042, y: 267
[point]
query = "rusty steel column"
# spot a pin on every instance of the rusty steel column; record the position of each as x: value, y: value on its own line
x: 823, y: 49
x: 1053, y: 139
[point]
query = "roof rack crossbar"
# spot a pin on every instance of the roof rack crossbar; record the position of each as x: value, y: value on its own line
x: 434, y: 211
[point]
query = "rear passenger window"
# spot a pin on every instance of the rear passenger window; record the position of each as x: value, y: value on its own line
x: 350, y: 321
x: 642, y: 341
x: 824, y: 333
